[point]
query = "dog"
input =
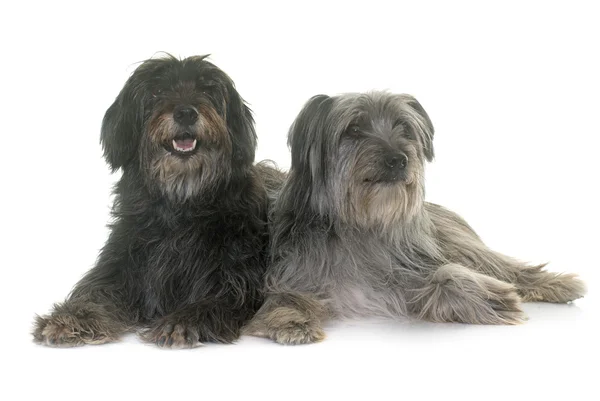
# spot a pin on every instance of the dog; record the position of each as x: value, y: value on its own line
x: 352, y: 235
x: 184, y: 263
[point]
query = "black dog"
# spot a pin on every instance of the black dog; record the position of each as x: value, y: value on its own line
x: 185, y: 258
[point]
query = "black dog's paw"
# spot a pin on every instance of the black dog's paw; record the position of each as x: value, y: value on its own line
x: 173, y: 335
x: 68, y: 330
x: 50, y: 332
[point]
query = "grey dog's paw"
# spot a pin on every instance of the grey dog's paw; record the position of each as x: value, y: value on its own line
x: 289, y: 326
x: 505, y: 305
x: 457, y: 294
x: 168, y: 335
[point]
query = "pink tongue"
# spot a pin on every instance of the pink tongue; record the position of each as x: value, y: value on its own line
x: 184, y: 143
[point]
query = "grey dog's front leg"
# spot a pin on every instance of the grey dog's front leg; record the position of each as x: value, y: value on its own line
x: 289, y: 319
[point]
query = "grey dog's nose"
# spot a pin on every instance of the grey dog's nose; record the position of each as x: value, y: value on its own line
x: 396, y: 161
x: 185, y: 114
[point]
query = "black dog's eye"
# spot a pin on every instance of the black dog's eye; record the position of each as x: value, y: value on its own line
x: 157, y: 92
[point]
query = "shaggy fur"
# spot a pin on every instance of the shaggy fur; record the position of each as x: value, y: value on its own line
x: 352, y: 235
x: 184, y: 263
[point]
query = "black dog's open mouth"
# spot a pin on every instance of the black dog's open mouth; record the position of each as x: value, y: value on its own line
x: 184, y: 144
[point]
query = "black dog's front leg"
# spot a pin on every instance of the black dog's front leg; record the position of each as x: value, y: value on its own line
x: 95, y: 312
x: 91, y: 315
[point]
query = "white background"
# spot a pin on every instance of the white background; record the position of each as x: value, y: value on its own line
x: 512, y: 89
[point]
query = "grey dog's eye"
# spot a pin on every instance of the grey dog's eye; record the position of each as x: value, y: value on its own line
x: 399, y: 124
x: 353, y: 129
x: 403, y: 129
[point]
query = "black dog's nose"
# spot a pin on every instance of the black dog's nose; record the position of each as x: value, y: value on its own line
x: 396, y: 161
x: 185, y: 114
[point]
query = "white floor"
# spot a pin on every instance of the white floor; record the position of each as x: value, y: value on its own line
x: 554, y: 356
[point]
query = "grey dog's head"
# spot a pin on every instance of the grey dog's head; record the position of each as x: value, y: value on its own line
x: 359, y: 158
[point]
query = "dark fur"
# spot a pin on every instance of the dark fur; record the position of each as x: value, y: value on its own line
x: 185, y: 258
x: 352, y: 235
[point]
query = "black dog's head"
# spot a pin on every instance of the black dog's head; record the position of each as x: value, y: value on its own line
x: 361, y: 157
x: 181, y: 124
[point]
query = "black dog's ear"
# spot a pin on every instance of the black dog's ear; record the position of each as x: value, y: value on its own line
x: 306, y: 137
x: 241, y: 126
x: 121, y: 127
x: 422, y: 124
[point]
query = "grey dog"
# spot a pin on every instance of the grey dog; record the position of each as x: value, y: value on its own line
x: 352, y: 235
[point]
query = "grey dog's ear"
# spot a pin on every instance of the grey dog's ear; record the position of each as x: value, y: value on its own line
x: 306, y: 138
x: 121, y: 127
x: 421, y: 123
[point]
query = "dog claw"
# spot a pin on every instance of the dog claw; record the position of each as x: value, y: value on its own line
x: 174, y: 336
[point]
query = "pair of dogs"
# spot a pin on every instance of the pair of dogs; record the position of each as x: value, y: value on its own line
x: 206, y: 245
